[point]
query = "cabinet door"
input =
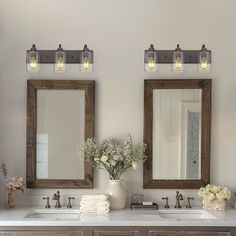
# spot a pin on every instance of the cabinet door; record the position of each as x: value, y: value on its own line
x: 187, y: 233
x: 47, y: 233
x: 115, y: 233
x: 5, y: 234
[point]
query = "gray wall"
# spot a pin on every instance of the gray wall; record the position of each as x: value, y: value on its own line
x: 118, y: 32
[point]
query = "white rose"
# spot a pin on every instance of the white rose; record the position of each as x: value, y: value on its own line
x: 220, y: 196
x: 112, y: 162
x: 134, y: 165
x: 104, y: 158
x: 96, y: 159
x: 116, y: 157
x: 211, y: 197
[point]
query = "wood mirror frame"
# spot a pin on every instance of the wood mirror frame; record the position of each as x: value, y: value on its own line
x: 206, y: 86
x: 32, y: 86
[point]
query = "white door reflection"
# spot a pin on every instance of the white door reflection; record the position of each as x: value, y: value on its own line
x: 175, y: 134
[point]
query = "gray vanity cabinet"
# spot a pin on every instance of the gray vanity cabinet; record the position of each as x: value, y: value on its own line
x: 47, y: 233
x: 120, y: 231
x: 116, y: 233
x: 187, y: 233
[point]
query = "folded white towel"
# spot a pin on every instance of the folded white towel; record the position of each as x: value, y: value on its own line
x: 95, y: 197
x: 95, y: 203
x: 92, y: 209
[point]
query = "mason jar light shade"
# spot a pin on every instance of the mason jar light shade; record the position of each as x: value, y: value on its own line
x: 204, y: 60
x: 178, y: 60
x: 150, y: 60
x: 86, y: 60
x: 60, y: 60
x: 32, y: 60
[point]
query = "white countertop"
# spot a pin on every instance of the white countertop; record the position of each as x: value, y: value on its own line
x: 16, y: 217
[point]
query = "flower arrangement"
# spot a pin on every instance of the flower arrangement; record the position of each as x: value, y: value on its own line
x: 213, y: 192
x: 12, y: 184
x: 113, y: 158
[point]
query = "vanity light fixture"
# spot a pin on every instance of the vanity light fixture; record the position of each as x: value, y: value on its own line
x: 86, y: 60
x: 60, y: 60
x: 32, y: 60
x: 150, y: 60
x: 178, y: 60
x: 204, y: 60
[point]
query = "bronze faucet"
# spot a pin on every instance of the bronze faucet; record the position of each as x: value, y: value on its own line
x: 47, y: 204
x: 166, y: 204
x: 178, y: 198
x: 188, y: 204
x: 56, y: 196
x: 69, y: 202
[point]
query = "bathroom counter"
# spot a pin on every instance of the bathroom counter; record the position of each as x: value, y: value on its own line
x: 16, y: 217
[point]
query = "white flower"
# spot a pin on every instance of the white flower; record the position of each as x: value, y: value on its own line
x: 116, y: 157
x: 104, y: 158
x: 96, y: 159
x: 134, y: 165
x: 112, y: 162
x: 211, y: 196
x: 212, y: 192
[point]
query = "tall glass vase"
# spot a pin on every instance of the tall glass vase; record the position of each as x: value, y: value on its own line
x: 9, y: 199
x: 117, y: 193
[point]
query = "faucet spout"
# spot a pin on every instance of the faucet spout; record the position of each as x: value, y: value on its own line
x: 178, y: 197
x: 56, y: 196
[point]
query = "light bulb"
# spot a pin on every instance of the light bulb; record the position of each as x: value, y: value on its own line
x: 33, y: 63
x: 60, y: 63
x: 151, y: 64
x: 85, y: 64
x: 204, y: 64
x: 178, y: 64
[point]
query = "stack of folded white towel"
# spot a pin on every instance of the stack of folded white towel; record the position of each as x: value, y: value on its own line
x: 95, y: 204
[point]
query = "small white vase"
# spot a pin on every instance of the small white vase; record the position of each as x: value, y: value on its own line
x: 117, y: 193
x: 213, y: 205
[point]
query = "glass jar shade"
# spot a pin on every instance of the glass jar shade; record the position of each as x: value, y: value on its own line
x: 32, y: 61
x: 150, y: 64
x: 178, y: 61
x: 86, y: 61
x: 60, y: 62
x: 204, y: 61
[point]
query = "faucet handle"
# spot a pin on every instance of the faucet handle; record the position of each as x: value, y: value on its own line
x: 69, y: 202
x: 47, y: 203
x: 188, y: 203
x: 166, y: 204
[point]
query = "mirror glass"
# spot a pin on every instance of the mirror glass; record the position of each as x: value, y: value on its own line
x: 60, y: 129
x: 176, y: 134
x: 177, y: 131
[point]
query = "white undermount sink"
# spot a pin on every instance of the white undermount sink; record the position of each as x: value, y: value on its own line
x: 53, y: 214
x: 186, y: 214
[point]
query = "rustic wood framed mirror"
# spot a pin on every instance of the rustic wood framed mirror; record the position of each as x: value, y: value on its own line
x: 177, y: 130
x: 60, y: 117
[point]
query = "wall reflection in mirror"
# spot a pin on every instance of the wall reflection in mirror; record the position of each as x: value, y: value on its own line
x: 176, y: 134
x: 60, y: 129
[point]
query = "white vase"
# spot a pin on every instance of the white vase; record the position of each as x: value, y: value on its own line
x: 117, y: 193
x: 213, y: 205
